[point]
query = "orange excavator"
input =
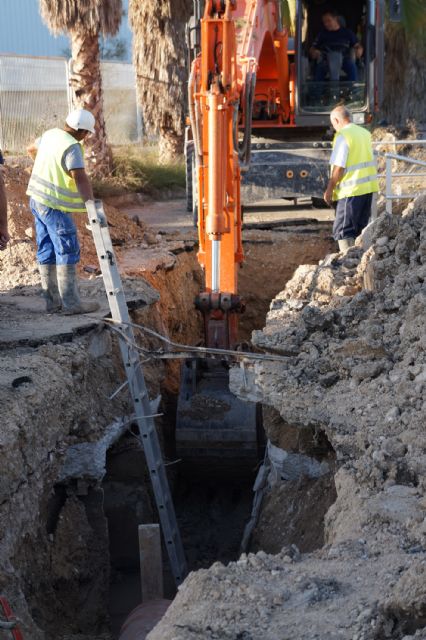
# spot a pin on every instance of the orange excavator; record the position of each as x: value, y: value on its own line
x: 259, y: 116
x: 234, y: 38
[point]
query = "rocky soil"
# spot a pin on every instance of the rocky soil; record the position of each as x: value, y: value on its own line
x: 353, y: 334
x: 340, y: 556
x: 55, y: 545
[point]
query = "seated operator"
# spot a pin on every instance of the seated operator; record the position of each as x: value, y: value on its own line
x: 331, y: 50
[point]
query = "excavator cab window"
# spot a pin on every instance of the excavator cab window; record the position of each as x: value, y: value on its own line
x: 332, y: 65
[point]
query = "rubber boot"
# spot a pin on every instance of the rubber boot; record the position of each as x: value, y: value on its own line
x: 68, y: 290
x: 49, y: 285
x: 345, y: 244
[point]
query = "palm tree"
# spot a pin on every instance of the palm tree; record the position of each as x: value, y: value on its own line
x: 159, y: 59
x: 84, y: 21
x: 405, y: 61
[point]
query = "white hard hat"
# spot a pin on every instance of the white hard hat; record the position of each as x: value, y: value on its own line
x: 81, y: 119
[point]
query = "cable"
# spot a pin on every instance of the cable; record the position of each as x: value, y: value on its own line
x: 184, y: 350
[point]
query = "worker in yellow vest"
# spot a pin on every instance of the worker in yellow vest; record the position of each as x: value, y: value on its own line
x: 59, y: 187
x: 353, y: 178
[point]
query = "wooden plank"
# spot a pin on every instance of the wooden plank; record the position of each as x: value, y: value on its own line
x: 151, y: 562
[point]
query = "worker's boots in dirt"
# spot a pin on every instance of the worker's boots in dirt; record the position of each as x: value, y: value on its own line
x: 49, y: 285
x: 345, y: 243
x: 68, y: 290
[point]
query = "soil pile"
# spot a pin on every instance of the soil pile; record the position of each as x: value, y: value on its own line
x: 353, y: 332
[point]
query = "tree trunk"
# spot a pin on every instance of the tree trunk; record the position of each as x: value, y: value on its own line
x: 405, y: 79
x: 86, y: 86
x: 159, y: 59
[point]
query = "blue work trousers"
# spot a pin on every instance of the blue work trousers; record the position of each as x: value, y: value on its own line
x: 56, y: 235
x: 348, y: 66
x: 352, y: 216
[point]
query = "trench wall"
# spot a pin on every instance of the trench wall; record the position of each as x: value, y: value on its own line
x: 54, y: 558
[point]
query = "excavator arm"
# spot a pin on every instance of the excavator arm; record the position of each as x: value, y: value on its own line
x: 243, y: 50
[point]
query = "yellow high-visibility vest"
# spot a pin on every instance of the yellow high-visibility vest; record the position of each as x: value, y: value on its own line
x: 50, y: 184
x: 360, y: 175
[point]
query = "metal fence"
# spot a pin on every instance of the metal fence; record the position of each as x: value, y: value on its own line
x: 412, y: 180
x: 34, y: 96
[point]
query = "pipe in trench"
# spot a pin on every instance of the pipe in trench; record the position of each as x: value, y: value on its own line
x: 143, y: 619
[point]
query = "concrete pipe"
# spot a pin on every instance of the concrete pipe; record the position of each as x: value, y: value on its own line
x: 143, y: 619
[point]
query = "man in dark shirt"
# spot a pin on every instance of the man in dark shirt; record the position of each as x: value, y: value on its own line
x: 331, y: 50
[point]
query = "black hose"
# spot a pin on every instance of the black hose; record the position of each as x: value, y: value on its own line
x: 244, y: 148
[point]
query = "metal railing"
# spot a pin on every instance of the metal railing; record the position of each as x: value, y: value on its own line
x: 389, y: 174
x: 389, y: 195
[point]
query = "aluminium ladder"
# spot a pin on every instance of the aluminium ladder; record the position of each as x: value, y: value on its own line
x: 137, y: 387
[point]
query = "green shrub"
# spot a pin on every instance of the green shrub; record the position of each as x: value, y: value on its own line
x: 137, y: 169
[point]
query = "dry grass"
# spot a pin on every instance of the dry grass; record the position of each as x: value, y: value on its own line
x: 137, y: 169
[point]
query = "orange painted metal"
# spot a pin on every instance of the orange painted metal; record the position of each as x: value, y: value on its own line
x: 217, y: 222
x: 239, y: 39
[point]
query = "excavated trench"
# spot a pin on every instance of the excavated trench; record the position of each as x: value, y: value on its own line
x: 92, y: 526
x: 213, y: 508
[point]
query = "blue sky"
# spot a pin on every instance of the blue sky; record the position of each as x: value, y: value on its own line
x: 22, y: 31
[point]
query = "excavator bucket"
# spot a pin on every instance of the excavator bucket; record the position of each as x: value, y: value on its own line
x: 213, y: 426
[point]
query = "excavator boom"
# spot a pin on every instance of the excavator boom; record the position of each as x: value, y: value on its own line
x: 238, y: 37
x: 243, y: 46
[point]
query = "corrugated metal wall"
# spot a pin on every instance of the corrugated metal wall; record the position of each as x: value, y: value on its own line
x: 34, y: 97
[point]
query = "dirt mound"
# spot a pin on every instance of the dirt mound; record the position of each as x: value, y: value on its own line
x: 354, y: 334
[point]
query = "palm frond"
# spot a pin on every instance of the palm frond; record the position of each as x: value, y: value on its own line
x: 92, y: 16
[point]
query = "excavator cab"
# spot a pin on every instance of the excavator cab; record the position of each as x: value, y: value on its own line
x: 344, y: 69
x: 291, y: 146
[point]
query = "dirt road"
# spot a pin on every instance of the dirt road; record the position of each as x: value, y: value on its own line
x: 172, y: 216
